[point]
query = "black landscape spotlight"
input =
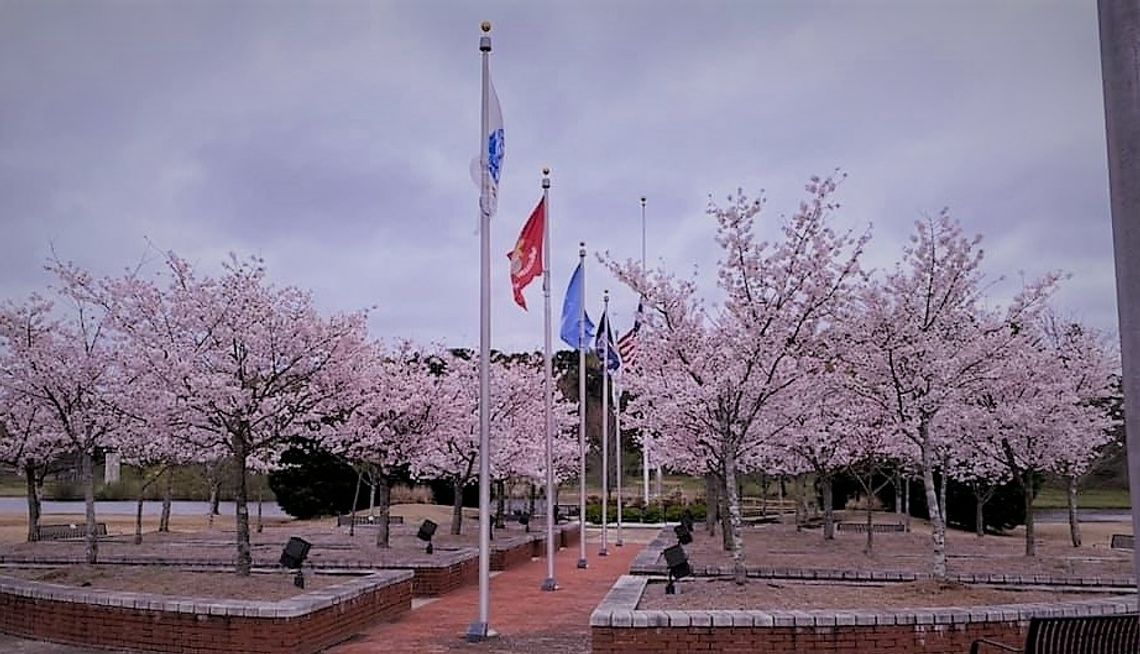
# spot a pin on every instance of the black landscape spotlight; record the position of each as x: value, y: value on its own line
x: 524, y: 520
x: 679, y: 568
x: 296, y: 549
x: 684, y: 534
x: 427, y: 530
x: 688, y: 519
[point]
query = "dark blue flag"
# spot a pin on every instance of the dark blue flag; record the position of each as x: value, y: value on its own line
x: 605, y: 345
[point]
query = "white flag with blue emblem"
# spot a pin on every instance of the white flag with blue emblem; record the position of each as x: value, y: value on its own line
x: 492, y: 153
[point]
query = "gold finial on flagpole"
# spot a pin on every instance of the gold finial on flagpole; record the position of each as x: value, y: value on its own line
x: 485, y: 26
x: 546, y: 170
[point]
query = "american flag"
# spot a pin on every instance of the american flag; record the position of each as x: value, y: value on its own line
x: 627, y: 344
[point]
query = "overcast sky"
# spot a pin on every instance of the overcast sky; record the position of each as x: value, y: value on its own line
x: 334, y: 139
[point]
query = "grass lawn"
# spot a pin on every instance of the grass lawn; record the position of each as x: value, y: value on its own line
x: 1091, y: 498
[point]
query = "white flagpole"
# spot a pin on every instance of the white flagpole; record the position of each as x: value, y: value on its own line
x: 644, y: 448
x: 480, y: 629
x: 1120, y: 72
x: 617, y: 452
x: 548, y: 385
x: 604, y: 335
x: 582, y: 412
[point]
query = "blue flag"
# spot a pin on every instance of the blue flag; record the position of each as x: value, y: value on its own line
x: 605, y: 344
x: 572, y: 308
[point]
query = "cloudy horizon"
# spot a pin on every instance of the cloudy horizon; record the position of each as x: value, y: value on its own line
x: 334, y: 140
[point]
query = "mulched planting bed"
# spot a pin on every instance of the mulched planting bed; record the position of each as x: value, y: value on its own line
x: 782, y: 546
x: 331, y: 545
x: 757, y: 594
x: 167, y: 581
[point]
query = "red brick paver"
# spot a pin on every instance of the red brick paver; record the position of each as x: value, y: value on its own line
x: 526, y: 618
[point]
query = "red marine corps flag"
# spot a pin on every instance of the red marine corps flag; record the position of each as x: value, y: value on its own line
x: 526, y: 258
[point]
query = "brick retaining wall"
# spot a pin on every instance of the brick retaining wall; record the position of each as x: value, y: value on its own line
x: 447, y: 575
x: 618, y: 626
x: 304, y: 624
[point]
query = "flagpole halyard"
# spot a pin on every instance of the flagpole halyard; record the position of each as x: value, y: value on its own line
x: 617, y: 448
x: 644, y: 448
x: 480, y: 629
x: 603, y: 329
x: 582, y: 564
x: 548, y: 386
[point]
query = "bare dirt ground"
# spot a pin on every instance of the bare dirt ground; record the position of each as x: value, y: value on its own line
x: 193, y: 541
x: 759, y: 594
x: 781, y: 546
x: 183, y: 583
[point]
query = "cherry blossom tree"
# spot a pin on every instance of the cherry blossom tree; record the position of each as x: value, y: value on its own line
x: 820, y: 434
x: 400, y: 404
x: 1093, y: 365
x: 233, y: 364
x: 27, y: 444
x: 1043, y: 412
x: 64, y: 367
x: 733, y: 371
x: 453, y: 451
x: 927, y: 342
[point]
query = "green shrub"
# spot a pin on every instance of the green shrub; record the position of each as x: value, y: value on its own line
x: 651, y: 514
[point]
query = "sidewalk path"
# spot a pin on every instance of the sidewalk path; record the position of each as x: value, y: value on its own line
x: 527, y: 618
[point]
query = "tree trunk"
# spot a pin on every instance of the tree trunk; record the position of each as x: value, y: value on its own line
x: 215, y: 488
x: 241, y: 509
x: 213, y: 509
x: 138, y: 518
x: 738, y: 570
x: 979, y: 514
x: 764, y: 483
x: 372, y: 497
x: 937, y: 526
x: 942, y: 495
x: 33, y: 502
x: 797, y: 506
x: 355, y: 502
x: 260, y: 501
x: 382, y: 488
x: 828, y: 511
x: 1030, y: 532
x: 906, y: 502
x: 1074, y: 523
x: 533, y: 498
x: 869, y: 546
x: 90, y: 544
x: 898, y: 492
x: 500, y: 504
x: 457, y: 509
x: 725, y: 520
x: 167, y: 496
x: 712, y: 503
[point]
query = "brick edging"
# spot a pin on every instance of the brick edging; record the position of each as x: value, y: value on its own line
x: 647, y: 563
x: 296, y: 606
x: 619, y: 609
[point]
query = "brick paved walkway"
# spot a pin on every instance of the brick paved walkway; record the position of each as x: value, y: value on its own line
x: 527, y: 619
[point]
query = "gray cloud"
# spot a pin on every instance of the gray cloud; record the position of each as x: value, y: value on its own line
x: 334, y: 140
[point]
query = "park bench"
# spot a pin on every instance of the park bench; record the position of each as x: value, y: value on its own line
x: 565, y: 511
x: 364, y: 520
x: 877, y: 527
x: 1100, y: 634
x: 1122, y: 542
x: 56, y: 532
